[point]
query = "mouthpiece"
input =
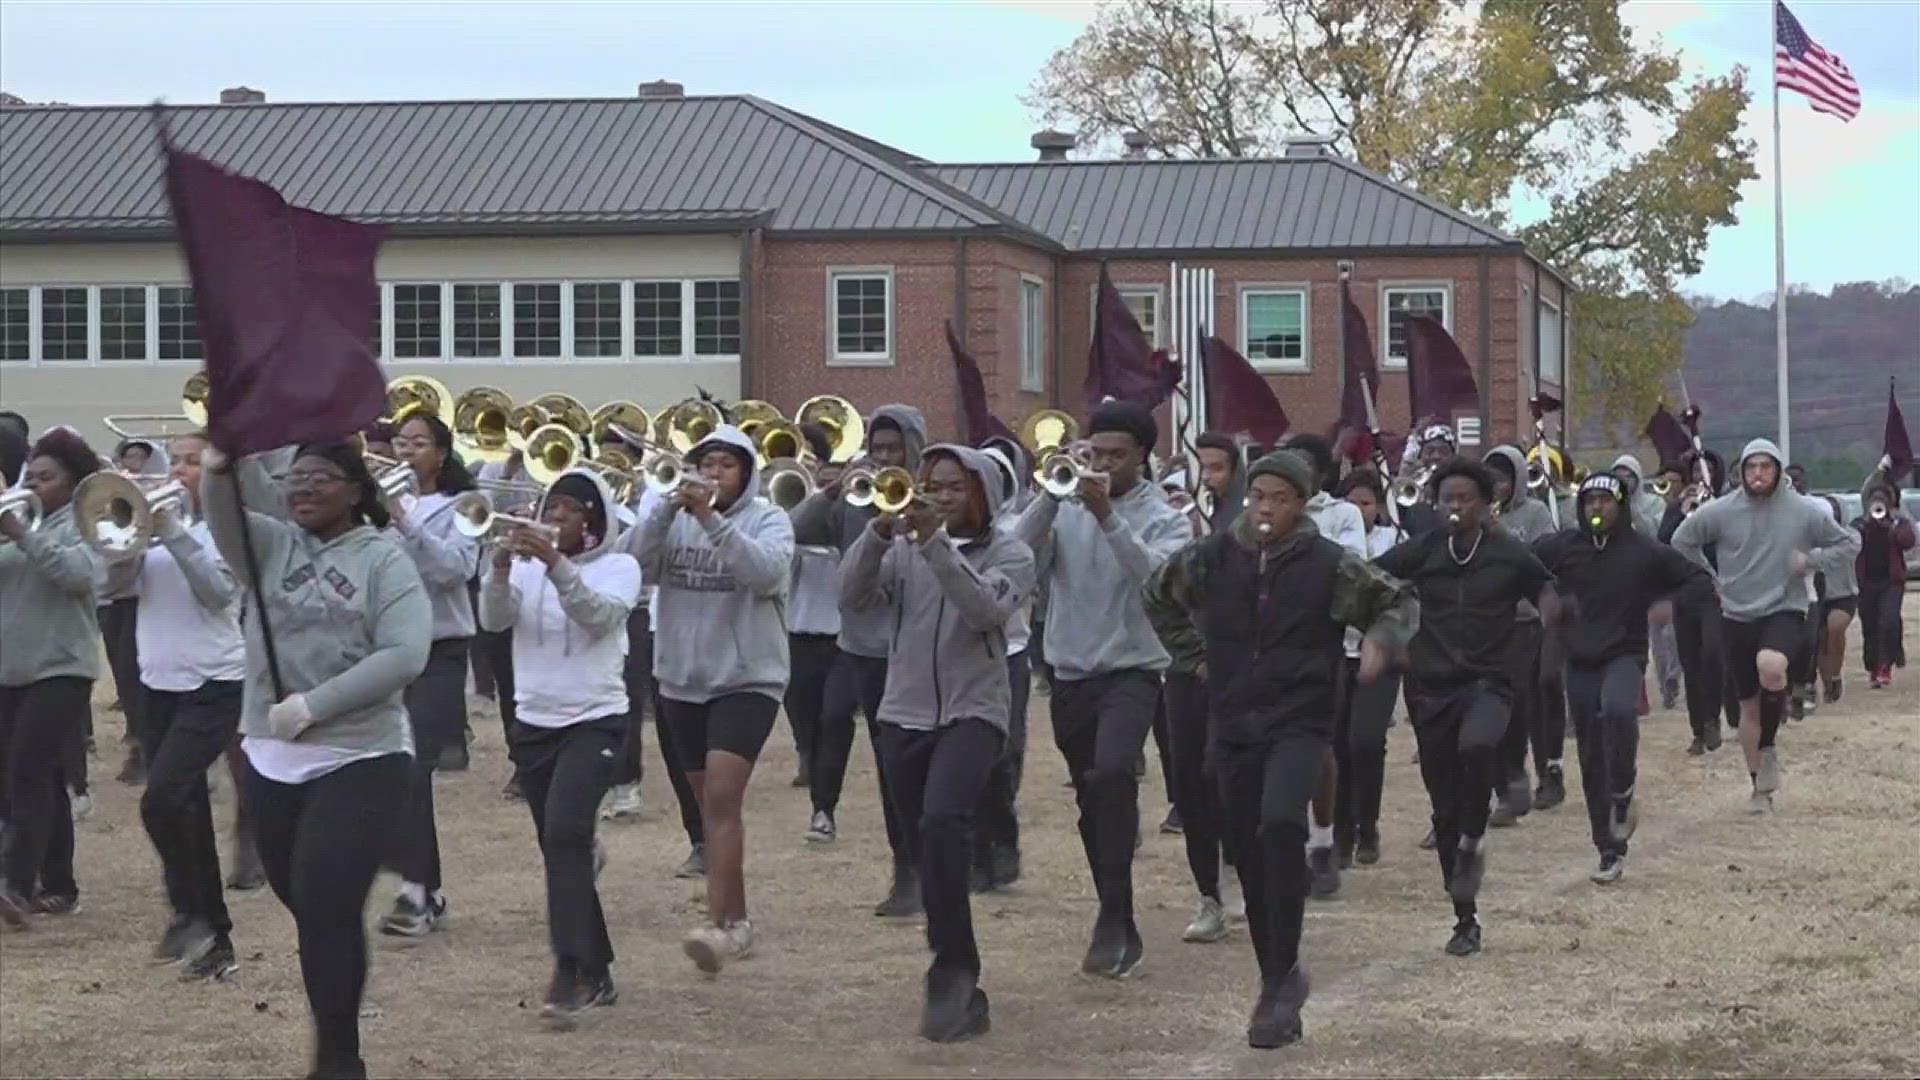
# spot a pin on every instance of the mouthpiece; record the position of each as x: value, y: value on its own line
x: 1266, y: 528
x: 1595, y: 521
x: 1453, y: 519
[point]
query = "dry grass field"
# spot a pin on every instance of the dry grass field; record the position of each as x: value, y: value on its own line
x: 1788, y: 945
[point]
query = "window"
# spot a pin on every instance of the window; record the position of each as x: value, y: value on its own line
x: 416, y: 321
x: 377, y: 331
x: 716, y: 318
x: 656, y: 319
x: 1550, y: 345
x: 1404, y: 300
x: 1145, y: 305
x: 63, y: 324
x: 536, y: 320
x: 862, y: 315
x: 596, y: 319
x: 476, y: 320
x: 179, y: 332
x: 1033, y: 336
x: 123, y: 323
x: 16, y: 324
x: 1273, y: 328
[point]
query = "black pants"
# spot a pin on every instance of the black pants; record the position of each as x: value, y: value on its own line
x: 1605, y: 702
x: 854, y: 683
x: 1100, y: 725
x: 1264, y: 795
x: 934, y: 779
x: 1522, y: 721
x: 119, y: 622
x: 1360, y: 751
x: 812, y: 658
x: 641, y: 645
x: 1880, y: 632
x: 497, y: 648
x: 998, y: 815
x: 565, y: 772
x: 480, y: 660
x: 437, y: 711
x: 1195, y: 790
x: 630, y: 765
x: 38, y: 724
x: 1459, y: 729
x: 1696, y: 629
x: 184, y: 734
x: 320, y: 845
x: 1163, y: 748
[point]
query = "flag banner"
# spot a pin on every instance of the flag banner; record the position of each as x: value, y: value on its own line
x: 1802, y: 66
x: 1357, y: 353
x: 1894, y: 445
x: 1668, y: 437
x: 1240, y: 401
x: 1122, y: 364
x: 1439, y: 379
x: 981, y: 423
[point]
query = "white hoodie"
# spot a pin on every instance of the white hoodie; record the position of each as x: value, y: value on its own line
x: 188, y: 631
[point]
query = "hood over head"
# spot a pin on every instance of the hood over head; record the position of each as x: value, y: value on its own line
x: 1877, y: 483
x: 1632, y: 465
x: 912, y: 425
x: 1517, y: 464
x: 984, y: 469
x: 609, y: 509
x: 1610, y: 484
x: 1757, y: 448
x: 729, y: 436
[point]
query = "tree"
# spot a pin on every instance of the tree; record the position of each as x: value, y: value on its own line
x: 1480, y: 106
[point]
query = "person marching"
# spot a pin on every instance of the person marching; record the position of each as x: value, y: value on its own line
x: 996, y: 834
x: 1696, y: 623
x: 721, y: 557
x: 49, y: 659
x: 492, y: 653
x: 1839, y: 594
x: 436, y: 701
x: 1365, y: 709
x: 1767, y: 540
x: 949, y: 582
x: 1526, y: 519
x: 566, y: 590
x: 1268, y: 601
x: 193, y: 663
x: 326, y: 735
x: 1095, y: 552
x: 119, y: 620
x: 814, y: 621
x: 1470, y: 576
x: 1881, y: 571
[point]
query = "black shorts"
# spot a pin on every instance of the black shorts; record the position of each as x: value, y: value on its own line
x: 736, y: 723
x: 1784, y: 632
x: 1848, y: 604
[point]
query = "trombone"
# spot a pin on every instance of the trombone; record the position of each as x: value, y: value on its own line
x: 24, y: 505
x: 114, y: 513
x: 846, y: 430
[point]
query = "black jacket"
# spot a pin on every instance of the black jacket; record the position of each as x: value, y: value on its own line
x: 1609, y: 586
x: 1466, y: 611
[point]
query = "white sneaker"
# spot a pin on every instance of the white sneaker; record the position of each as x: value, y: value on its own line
x: 1233, y: 905
x: 1209, y: 922
x: 1767, y: 780
x: 740, y: 938
x: 623, y: 801
x: 710, y: 947
x: 1759, y: 803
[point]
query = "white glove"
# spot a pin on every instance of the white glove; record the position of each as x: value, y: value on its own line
x: 213, y: 459
x: 287, y: 719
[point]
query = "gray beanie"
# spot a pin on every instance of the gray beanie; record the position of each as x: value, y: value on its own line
x: 1289, y: 465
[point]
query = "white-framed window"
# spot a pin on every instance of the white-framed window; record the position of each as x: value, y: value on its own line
x: 860, y: 330
x: 16, y: 325
x: 1146, y: 302
x: 536, y: 319
x: 178, y: 323
x: 659, y: 327
x: 476, y: 321
x: 716, y: 318
x: 596, y: 320
x: 1033, y: 335
x: 123, y: 322
x: 1552, y: 345
x: 1397, y: 301
x: 1273, y: 327
x: 64, y: 323
x: 419, y: 310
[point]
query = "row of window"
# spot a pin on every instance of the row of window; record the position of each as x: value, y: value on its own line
x: 1274, y: 320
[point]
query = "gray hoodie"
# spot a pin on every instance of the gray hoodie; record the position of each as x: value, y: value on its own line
x: 1755, y: 538
x: 351, y: 624
x: 827, y: 521
x: 949, y: 602
x: 722, y: 606
x: 446, y: 561
x: 1096, y: 622
x: 1648, y: 508
x: 47, y: 604
x: 1526, y: 517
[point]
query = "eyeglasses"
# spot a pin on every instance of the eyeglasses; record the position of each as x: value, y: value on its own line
x: 314, y: 478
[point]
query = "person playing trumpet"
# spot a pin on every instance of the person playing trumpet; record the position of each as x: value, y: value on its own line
x: 1886, y: 535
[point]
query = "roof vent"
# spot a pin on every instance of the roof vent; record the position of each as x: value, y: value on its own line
x: 662, y: 90
x: 1138, y: 142
x: 242, y: 95
x: 1311, y: 146
x: 1053, y: 145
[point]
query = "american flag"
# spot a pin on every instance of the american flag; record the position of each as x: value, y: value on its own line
x: 1799, y: 63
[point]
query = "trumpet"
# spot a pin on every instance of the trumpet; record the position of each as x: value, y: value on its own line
x: 663, y: 472
x: 1062, y: 469
x: 888, y: 490
x: 1878, y: 511
x: 475, y: 517
x: 1411, y: 489
x: 409, y: 395
x: 24, y: 505
x: 788, y: 482
x: 846, y: 431
x: 481, y: 423
x: 114, y: 513
x: 395, y: 478
x: 148, y: 425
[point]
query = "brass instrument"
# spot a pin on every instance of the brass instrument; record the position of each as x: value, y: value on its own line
x: 1694, y: 497
x: 663, y: 473
x: 523, y: 421
x: 622, y: 420
x: 475, y: 517
x: 1660, y: 486
x: 22, y: 504
x: 1537, y: 478
x: 114, y: 513
x: 846, y: 430
x: 889, y: 490
x: 778, y: 439
x: 1878, y: 511
x: 396, y: 478
x: 149, y: 426
x: 193, y: 399
x: 688, y: 424
x: 1205, y: 501
x: 566, y: 410
x: 412, y: 394
x: 621, y: 471
x: 480, y: 423
x: 1062, y: 468
x: 788, y: 482
x: 753, y: 414
x: 1410, y: 489
x: 551, y: 450
x: 1046, y: 430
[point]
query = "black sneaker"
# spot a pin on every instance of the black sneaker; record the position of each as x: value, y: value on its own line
x: 980, y: 873
x: 214, y: 964
x: 512, y: 792
x: 55, y: 904
x: 694, y: 865
x: 803, y: 774
x: 1006, y: 864
x: 820, y: 828
x: 1609, y: 870
x: 1106, y: 949
x: 1712, y: 739
x: 1429, y: 841
x: 1797, y: 705
x: 1833, y: 691
x: 1697, y: 747
x: 1366, y: 848
x: 1276, y: 1019
x: 1343, y: 853
x: 1465, y: 940
x: 1469, y: 870
x: 186, y: 939
x: 903, y: 899
x: 134, y: 769
x: 411, y: 920
x: 336, y: 1066
x: 1171, y: 825
x: 1626, y: 818
x: 13, y: 911
x: 1130, y: 957
x: 1323, y: 875
x: 956, y: 1015
x: 247, y: 874
x: 576, y: 997
x: 1552, y: 790
x: 453, y: 758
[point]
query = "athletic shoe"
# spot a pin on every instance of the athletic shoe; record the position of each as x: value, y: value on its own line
x: 1323, y: 875
x: 1833, y: 691
x: 1796, y: 706
x: 710, y: 947
x: 1429, y: 841
x: 1760, y: 802
x: 1713, y: 738
x: 1343, y: 853
x: 1171, y: 825
x: 1465, y: 940
x: 903, y: 898
x: 1209, y: 923
x: 1106, y: 948
x: 453, y: 757
x: 511, y: 791
x: 1276, y: 1018
x: 1886, y: 675
x: 1366, y: 848
x: 623, y: 801
x: 1232, y: 904
x: 13, y: 911
x: 1768, y: 779
x: 185, y: 939
x: 1696, y: 748
x: 570, y: 998
x: 694, y: 865
x: 803, y: 774
x: 214, y: 963
x: 1006, y: 864
x: 1625, y: 819
x: 820, y: 829
x: 82, y: 804
x: 55, y: 904
x: 1669, y: 696
x: 740, y: 937
x: 411, y: 920
x: 247, y: 873
x: 1609, y: 869
x: 955, y: 1010
x: 134, y: 769
x: 336, y: 1066
x: 980, y: 873
x: 1469, y: 870
x: 1130, y: 956
x: 1552, y: 790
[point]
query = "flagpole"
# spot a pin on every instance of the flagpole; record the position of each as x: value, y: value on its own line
x: 1779, y: 256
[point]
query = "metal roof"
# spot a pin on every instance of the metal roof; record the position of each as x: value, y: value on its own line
x: 639, y: 163
x: 1320, y: 203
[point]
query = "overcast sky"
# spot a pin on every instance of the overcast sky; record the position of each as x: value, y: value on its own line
x: 940, y: 78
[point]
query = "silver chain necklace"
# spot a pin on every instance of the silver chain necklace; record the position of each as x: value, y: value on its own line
x: 1457, y: 560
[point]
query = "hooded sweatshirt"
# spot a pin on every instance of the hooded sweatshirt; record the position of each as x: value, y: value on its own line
x: 1883, y: 545
x: 949, y: 600
x: 122, y: 581
x: 1526, y: 517
x: 1755, y: 538
x: 1020, y: 624
x: 189, y: 627
x: 1648, y: 508
x: 446, y: 561
x: 351, y: 628
x: 569, y: 623
x: 826, y: 520
x: 1609, y: 581
x: 1093, y: 573
x: 722, y: 598
x: 47, y: 604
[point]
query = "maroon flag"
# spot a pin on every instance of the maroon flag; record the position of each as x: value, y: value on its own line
x: 1439, y: 379
x: 1895, y: 444
x: 981, y: 423
x: 1122, y: 364
x: 1668, y: 437
x: 1239, y: 400
x: 285, y: 299
x: 1358, y: 365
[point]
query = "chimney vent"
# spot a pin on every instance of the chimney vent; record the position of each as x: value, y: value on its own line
x: 662, y: 90
x: 242, y: 95
x: 1138, y: 142
x: 1053, y: 145
x: 1310, y: 146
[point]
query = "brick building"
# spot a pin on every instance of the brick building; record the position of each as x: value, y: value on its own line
x: 642, y: 247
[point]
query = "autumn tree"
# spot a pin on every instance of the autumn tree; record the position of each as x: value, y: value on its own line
x: 1546, y: 119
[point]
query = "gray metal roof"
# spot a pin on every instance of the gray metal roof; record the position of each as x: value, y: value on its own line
x: 485, y: 165
x: 1311, y: 203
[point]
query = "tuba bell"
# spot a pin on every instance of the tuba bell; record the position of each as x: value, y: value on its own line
x: 752, y: 415
x: 523, y: 421
x: 193, y: 399
x: 1659, y: 485
x: 1046, y: 430
x: 551, y: 450
x: 787, y: 482
x: 24, y: 505
x: 480, y: 423
x: 846, y: 430
x: 778, y: 439
x: 618, y: 420
x: 114, y: 513
x: 689, y: 423
x: 411, y: 394
x: 566, y: 410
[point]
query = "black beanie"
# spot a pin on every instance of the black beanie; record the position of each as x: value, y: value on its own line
x: 583, y: 490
